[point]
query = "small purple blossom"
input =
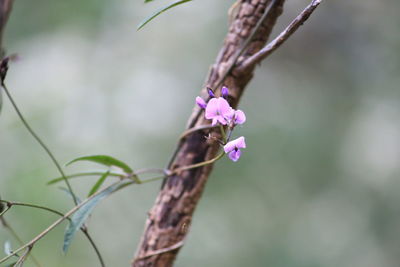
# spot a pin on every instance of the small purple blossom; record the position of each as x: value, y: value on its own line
x: 200, y: 102
x: 233, y: 147
x: 224, y: 92
x: 239, y: 117
x: 210, y: 92
x: 218, y: 110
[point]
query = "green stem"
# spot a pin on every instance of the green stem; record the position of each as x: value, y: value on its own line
x: 10, y: 204
x: 154, y: 179
x: 76, y: 175
x: 56, y: 223
x: 5, y: 210
x: 19, y: 240
x: 22, y: 259
x: 86, y: 233
x: 195, y: 129
x: 185, y: 168
x: 96, y: 249
x: 41, y: 143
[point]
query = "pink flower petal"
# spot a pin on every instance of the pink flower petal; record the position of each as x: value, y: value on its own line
x: 230, y: 146
x: 240, y: 117
x: 211, y: 109
x: 234, y: 155
x: 224, y: 107
x: 240, y: 142
x: 218, y: 109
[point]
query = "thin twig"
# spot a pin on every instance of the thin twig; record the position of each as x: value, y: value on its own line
x: 22, y: 259
x: 19, y: 240
x: 57, y: 222
x: 281, y: 38
x: 4, y: 210
x: 195, y: 129
x: 84, y: 230
x: 39, y: 140
x: 43, y: 145
x: 96, y: 249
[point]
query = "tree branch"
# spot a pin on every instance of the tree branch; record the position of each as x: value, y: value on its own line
x: 170, y: 218
x: 281, y: 38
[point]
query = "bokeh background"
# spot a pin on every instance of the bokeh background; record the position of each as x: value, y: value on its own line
x: 318, y: 184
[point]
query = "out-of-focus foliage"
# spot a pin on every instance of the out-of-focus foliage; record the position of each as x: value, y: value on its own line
x: 317, y: 184
x: 162, y: 10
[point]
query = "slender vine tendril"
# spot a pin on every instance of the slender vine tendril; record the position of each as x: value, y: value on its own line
x: 39, y: 140
x: 9, y: 204
x: 3, y: 73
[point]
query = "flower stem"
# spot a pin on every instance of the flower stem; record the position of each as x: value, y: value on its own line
x: 185, y: 168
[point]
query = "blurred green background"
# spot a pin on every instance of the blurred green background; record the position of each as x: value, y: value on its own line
x: 318, y: 184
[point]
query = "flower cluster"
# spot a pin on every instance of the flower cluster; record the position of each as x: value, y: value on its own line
x: 220, y: 112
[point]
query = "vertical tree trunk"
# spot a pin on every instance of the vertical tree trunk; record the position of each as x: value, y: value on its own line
x: 170, y: 218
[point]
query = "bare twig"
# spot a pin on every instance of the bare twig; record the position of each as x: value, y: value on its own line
x: 22, y: 259
x: 56, y: 223
x: 9, y: 204
x: 281, y: 38
x: 96, y: 249
x: 33, y: 133
x: 19, y: 240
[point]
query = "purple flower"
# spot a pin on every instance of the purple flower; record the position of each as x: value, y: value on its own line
x: 233, y: 147
x: 200, y: 102
x: 239, y: 117
x: 224, y: 92
x: 210, y: 92
x: 218, y: 110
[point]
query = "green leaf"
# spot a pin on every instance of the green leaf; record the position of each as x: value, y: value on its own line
x: 104, y: 160
x: 81, y: 215
x: 141, y: 25
x: 99, y: 182
x: 81, y: 174
x: 147, y: 1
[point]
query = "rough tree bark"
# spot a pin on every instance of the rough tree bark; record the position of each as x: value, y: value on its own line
x: 170, y: 218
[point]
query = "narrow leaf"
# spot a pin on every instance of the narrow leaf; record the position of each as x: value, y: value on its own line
x: 104, y: 160
x: 141, y: 25
x: 99, y: 182
x: 81, y: 174
x: 81, y: 215
x: 147, y: 1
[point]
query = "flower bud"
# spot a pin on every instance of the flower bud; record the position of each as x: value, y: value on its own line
x: 210, y: 92
x: 224, y: 92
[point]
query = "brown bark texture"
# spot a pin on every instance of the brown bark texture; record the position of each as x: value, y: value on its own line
x: 170, y: 218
